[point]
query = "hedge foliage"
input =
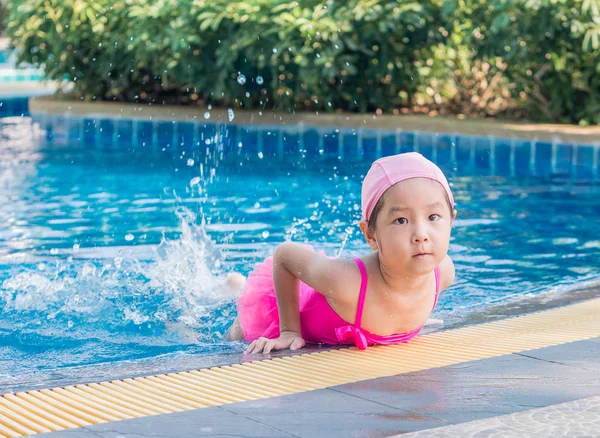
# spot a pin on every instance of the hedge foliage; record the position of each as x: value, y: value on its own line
x: 534, y: 58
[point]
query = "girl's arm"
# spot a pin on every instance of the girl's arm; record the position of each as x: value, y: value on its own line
x: 292, y: 263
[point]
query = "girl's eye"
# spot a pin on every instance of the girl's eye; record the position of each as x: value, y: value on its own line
x: 434, y: 217
x: 402, y: 220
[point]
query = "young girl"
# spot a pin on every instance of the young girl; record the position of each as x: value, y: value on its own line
x: 385, y: 297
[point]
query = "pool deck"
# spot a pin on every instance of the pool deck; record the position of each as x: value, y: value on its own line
x: 552, y: 391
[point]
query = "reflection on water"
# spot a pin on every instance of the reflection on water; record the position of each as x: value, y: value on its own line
x: 119, y: 256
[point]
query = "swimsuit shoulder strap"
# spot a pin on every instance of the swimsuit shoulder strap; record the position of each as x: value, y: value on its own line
x: 363, y: 291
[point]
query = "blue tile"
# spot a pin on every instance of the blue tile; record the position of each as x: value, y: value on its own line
x: 125, y: 132
x: 106, y: 130
x: 310, y: 138
x: 185, y: 134
x: 350, y: 144
x: 585, y: 161
x: 229, y: 138
x: 164, y: 133
x: 89, y: 131
x: 388, y: 144
x: 407, y: 142
x: 463, y: 149
x: 369, y: 144
x: 502, y: 157
x: 424, y: 143
x: 330, y: 143
x: 144, y: 133
x: 73, y: 126
x: 482, y: 152
x: 249, y: 139
x: 522, y: 157
x: 271, y: 140
x: 564, y: 159
x: 291, y: 142
x: 444, y: 149
x: 543, y: 158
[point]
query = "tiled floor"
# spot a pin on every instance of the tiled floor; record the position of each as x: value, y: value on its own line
x: 465, y: 394
x: 578, y: 418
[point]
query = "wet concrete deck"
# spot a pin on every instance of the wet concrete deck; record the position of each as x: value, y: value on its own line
x: 475, y: 395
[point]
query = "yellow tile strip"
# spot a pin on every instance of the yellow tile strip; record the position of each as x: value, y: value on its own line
x: 32, y: 412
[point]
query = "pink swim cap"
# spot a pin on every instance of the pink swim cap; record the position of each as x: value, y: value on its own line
x: 387, y: 171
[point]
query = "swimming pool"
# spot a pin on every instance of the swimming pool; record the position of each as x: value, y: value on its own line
x: 112, y: 253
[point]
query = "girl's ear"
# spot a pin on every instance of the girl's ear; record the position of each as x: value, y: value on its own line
x: 454, y: 213
x: 369, y: 236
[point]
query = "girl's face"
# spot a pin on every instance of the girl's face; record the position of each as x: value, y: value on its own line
x: 412, y: 230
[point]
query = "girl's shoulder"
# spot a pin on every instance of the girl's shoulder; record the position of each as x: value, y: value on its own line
x: 446, y: 269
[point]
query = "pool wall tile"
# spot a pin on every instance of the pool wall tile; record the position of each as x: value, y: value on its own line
x: 270, y: 141
x: 482, y: 150
x: 502, y: 157
x: 125, y: 132
x: 290, y: 141
x: 407, y: 142
x: 165, y: 134
x: 106, y: 131
x: 350, y: 142
x: 144, y: 132
x: 89, y: 131
x: 564, y: 159
x: 424, y: 143
x: 491, y: 155
x: 463, y: 150
x: 542, y: 159
x: 73, y: 129
x: 522, y: 161
x: 584, y: 161
x: 186, y: 135
x: 310, y: 141
x: 444, y: 149
x: 371, y: 144
x: 388, y: 144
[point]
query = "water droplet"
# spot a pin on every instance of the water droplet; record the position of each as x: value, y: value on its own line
x: 274, y: 50
x: 194, y: 181
x: 240, y: 144
x: 129, y: 237
x: 207, y: 115
x: 265, y: 234
x: 247, y: 94
x: 257, y: 205
x: 259, y: 80
x: 190, y: 162
x: 260, y: 155
x: 230, y: 114
x: 241, y: 79
x: 76, y: 247
x: 70, y: 324
x: 54, y: 251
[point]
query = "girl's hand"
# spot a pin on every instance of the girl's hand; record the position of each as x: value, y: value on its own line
x: 287, y: 339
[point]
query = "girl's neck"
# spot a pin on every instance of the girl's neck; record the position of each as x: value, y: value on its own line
x: 399, y: 282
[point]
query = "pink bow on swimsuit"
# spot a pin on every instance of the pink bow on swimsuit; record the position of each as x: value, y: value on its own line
x: 350, y: 334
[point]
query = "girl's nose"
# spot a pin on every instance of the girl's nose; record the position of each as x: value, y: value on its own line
x: 420, y: 236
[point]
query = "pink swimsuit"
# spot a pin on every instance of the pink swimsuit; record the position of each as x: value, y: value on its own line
x: 258, y: 315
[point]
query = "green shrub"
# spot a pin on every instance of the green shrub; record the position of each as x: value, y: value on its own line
x: 538, y: 58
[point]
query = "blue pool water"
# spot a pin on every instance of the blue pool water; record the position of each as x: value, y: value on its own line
x: 118, y: 254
